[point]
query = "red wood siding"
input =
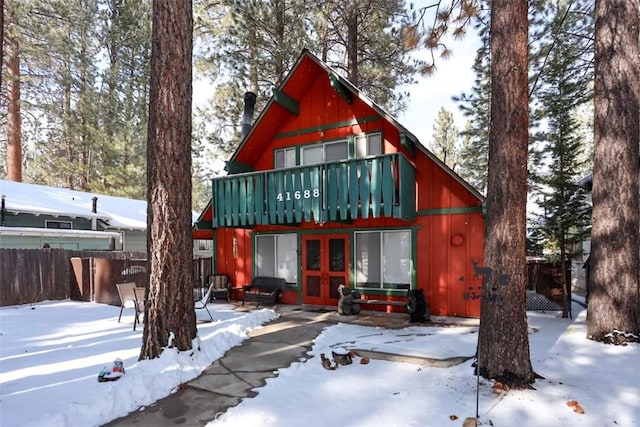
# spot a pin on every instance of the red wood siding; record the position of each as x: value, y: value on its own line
x: 446, y: 241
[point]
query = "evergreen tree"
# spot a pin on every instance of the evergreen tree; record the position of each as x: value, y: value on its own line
x: 367, y: 41
x: 124, y: 32
x: 13, y: 123
x: 62, y: 85
x: 83, y: 93
x: 562, y: 90
x: 475, y: 106
x: 252, y: 45
x: 170, y: 318
x: 244, y: 46
x: 445, y: 143
x: 503, y: 344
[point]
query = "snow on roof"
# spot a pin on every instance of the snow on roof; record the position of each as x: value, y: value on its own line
x: 117, y: 212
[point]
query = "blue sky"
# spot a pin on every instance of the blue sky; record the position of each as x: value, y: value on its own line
x: 453, y: 76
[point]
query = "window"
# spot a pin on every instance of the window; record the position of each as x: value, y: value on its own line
x: 203, y: 245
x: 383, y: 259
x: 312, y: 154
x: 325, y: 152
x: 368, y: 145
x: 285, y: 158
x: 336, y: 151
x: 277, y: 256
x: 58, y: 225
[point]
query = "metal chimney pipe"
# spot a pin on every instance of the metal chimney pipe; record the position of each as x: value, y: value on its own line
x: 247, y: 116
x: 2, y: 211
x: 94, y: 209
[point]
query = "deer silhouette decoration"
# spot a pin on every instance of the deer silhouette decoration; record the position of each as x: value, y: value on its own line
x: 484, y: 271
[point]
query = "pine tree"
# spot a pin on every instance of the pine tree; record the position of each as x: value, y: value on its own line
x: 503, y: 344
x: 124, y: 31
x: 83, y: 93
x: 252, y: 45
x: 475, y: 106
x: 244, y: 46
x: 169, y: 312
x: 14, y: 127
x: 445, y: 143
x: 562, y: 89
x: 367, y: 41
x: 58, y: 90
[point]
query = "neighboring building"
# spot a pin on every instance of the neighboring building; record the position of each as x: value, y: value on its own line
x: 32, y: 216
x: 580, y: 266
x: 326, y: 188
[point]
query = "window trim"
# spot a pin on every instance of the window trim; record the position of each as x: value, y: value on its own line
x: 275, y: 252
x: 47, y: 222
x: 284, y: 150
x: 381, y: 287
x: 367, y: 137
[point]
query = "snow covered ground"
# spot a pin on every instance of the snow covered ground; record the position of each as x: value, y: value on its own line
x: 51, y: 353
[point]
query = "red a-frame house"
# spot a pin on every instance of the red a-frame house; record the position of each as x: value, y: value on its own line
x: 326, y: 188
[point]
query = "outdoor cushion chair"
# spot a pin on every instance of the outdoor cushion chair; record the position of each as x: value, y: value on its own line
x: 141, y: 299
x: 128, y: 299
x: 221, y: 286
x: 202, y: 303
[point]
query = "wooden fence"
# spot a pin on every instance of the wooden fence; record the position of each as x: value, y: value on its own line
x: 32, y: 275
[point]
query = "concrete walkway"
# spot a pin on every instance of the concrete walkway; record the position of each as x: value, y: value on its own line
x: 242, y: 369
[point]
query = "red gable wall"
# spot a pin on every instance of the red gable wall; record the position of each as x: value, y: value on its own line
x: 446, y: 242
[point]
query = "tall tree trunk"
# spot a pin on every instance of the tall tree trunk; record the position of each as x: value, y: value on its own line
x: 352, y: 44
x: 170, y: 311
x: 279, y: 7
x: 14, y: 124
x: 503, y: 343
x: 66, y: 132
x: 614, y: 288
x: 1, y: 38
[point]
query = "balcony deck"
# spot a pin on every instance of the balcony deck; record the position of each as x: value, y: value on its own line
x: 374, y: 187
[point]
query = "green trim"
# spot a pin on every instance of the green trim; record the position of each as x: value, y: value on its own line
x: 414, y: 259
x: 339, y: 88
x: 286, y: 101
x: 407, y: 142
x: 204, y: 225
x: 451, y: 211
x: 351, y: 233
x: 237, y: 167
x: 298, y: 286
x: 328, y: 126
x: 214, y: 252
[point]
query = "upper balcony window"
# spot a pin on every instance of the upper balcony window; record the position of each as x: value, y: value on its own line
x: 368, y: 145
x: 326, y: 152
x: 285, y: 158
x: 364, y: 146
x: 60, y: 225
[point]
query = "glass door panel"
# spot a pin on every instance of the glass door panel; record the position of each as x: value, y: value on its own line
x: 325, y: 268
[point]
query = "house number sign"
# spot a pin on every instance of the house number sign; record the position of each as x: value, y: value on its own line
x: 297, y: 195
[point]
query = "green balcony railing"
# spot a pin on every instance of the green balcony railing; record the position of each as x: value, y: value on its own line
x: 382, y: 186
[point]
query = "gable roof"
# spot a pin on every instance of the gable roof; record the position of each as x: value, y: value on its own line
x: 295, y: 85
x: 117, y: 213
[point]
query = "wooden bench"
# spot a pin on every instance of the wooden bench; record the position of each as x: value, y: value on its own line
x: 380, y: 302
x: 263, y: 290
x: 351, y: 302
